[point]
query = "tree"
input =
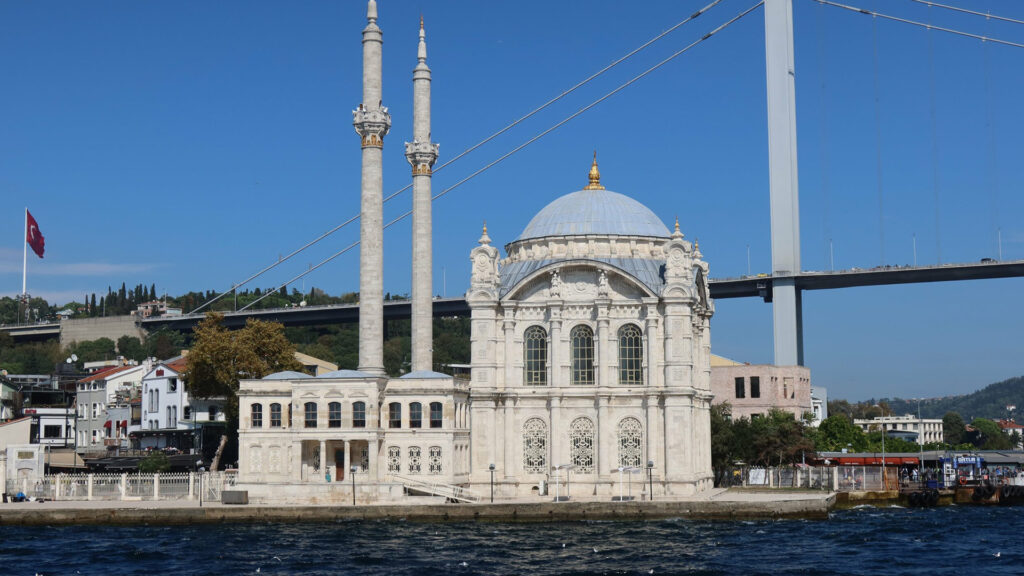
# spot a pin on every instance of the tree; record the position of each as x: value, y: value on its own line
x: 837, y: 432
x: 131, y: 348
x: 155, y: 462
x: 988, y: 435
x: 952, y: 428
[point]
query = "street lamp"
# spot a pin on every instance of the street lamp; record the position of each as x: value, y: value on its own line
x: 352, y: 473
x: 628, y: 470
x: 558, y: 468
x: 650, y: 480
x: 490, y: 468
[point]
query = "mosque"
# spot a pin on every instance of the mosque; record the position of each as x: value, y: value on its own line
x: 590, y: 355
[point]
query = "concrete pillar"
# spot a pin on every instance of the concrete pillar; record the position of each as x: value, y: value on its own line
x: 88, y: 489
x: 156, y: 486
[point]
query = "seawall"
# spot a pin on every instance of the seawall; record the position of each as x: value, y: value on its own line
x: 26, y: 514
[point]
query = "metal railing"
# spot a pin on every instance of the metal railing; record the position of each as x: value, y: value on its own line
x: 113, y: 487
x: 436, y: 488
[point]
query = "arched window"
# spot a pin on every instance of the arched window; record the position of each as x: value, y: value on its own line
x: 257, y: 415
x: 174, y: 416
x: 631, y: 436
x: 535, y: 356
x: 535, y: 446
x: 310, y: 412
x: 334, y: 415
x: 436, y: 414
x: 395, y: 415
x: 581, y: 445
x: 582, y: 338
x: 415, y: 415
x: 275, y: 415
x: 359, y: 414
x: 631, y: 353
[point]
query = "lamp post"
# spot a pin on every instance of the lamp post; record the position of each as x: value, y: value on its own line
x: 352, y: 473
x: 557, y: 469
x: 490, y: 468
x: 198, y: 471
x: 920, y: 444
x: 650, y: 480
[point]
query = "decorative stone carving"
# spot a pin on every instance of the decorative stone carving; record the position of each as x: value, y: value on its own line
x: 372, y: 124
x: 422, y: 156
x: 602, y: 284
x: 555, y: 291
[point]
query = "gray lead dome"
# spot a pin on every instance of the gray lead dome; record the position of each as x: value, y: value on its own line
x: 600, y: 212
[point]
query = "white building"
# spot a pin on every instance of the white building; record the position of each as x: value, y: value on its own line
x: 170, y: 418
x: 94, y: 394
x: 590, y: 352
x: 922, y: 431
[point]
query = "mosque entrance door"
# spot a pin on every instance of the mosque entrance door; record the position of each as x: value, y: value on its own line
x: 339, y: 464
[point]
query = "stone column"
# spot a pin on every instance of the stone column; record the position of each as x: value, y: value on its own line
x: 605, y: 459
x: 372, y: 122
x: 347, y: 462
x: 508, y: 444
x: 508, y: 327
x: 555, y: 348
x: 323, y: 461
x: 606, y: 356
x: 556, y: 432
x: 374, y: 448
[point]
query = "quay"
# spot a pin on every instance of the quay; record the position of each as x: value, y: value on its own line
x: 718, y: 503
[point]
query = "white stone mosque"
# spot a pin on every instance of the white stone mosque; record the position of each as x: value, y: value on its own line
x: 590, y: 355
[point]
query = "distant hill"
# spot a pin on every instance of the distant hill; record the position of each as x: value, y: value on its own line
x: 989, y: 402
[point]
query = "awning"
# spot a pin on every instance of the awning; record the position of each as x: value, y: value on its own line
x: 106, y: 424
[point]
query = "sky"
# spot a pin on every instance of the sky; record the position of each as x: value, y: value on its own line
x: 189, y: 144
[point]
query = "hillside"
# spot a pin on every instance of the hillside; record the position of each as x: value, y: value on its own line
x: 989, y: 402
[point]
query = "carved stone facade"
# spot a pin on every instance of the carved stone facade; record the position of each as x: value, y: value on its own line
x: 591, y: 351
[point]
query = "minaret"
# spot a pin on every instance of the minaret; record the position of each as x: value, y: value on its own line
x: 371, y: 121
x: 422, y: 154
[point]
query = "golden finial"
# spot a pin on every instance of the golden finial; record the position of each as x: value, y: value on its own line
x: 677, y: 224
x: 594, y: 176
x: 696, y: 243
x: 485, y: 227
x: 421, y: 21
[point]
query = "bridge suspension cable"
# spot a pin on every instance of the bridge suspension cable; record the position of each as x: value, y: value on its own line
x: 966, y: 11
x: 920, y: 24
x: 540, y: 135
x: 508, y: 127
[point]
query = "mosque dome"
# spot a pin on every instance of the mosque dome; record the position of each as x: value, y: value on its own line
x: 594, y: 210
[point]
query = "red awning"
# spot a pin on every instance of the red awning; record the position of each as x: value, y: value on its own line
x: 106, y: 424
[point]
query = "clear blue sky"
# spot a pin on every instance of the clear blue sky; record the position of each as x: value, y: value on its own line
x: 190, y: 143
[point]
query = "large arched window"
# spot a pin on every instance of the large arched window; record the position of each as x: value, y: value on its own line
x: 415, y: 415
x: 257, y: 415
x: 310, y: 413
x: 631, y: 436
x: 581, y: 445
x: 582, y: 342
x: 359, y: 414
x: 535, y: 446
x: 275, y: 415
x: 535, y: 356
x: 631, y: 354
x: 334, y: 415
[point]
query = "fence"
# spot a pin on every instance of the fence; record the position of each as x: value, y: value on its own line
x: 177, y: 486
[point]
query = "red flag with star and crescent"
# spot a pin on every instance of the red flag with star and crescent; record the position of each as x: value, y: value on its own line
x: 33, y: 236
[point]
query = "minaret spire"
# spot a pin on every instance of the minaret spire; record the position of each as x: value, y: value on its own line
x: 372, y: 122
x: 422, y: 154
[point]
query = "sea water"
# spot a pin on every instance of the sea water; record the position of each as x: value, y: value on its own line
x: 867, y: 540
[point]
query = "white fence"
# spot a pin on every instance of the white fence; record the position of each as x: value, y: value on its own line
x: 835, y: 478
x: 177, y: 486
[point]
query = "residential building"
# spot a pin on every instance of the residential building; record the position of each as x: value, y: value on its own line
x: 908, y: 426
x: 753, y: 390
x: 95, y: 394
x: 819, y: 404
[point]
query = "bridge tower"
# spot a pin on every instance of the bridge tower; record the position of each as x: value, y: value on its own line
x: 422, y: 153
x: 787, y: 309
x: 372, y: 122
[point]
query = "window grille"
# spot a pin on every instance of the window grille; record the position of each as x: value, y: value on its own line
x: 394, y: 459
x: 414, y: 460
x: 435, y: 460
x: 581, y: 445
x: 630, y: 442
x: 535, y: 446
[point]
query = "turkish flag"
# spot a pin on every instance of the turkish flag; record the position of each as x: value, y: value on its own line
x: 33, y: 236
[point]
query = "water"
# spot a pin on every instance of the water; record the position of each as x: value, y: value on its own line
x: 949, y: 540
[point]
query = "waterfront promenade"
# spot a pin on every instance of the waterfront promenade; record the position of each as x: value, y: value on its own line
x: 715, y: 503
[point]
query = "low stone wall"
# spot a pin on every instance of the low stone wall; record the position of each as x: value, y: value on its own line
x: 28, y: 514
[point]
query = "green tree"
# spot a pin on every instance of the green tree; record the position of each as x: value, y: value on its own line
x: 155, y: 462
x: 131, y: 348
x: 837, y: 432
x: 988, y: 435
x: 952, y: 428
x: 93, y: 350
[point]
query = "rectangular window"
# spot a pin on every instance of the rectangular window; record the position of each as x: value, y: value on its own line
x: 755, y: 386
x: 436, y: 414
x: 415, y: 415
x: 172, y: 384
x: 257, y: 415
x: 394, y: 415
x: 51, y: 431
x: 359, y: 415
x: 334, y: 415
x: 310, y: 413
x: 740, y: 388
x: 275, y: 415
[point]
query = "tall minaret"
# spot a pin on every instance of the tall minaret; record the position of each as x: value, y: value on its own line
x: 371, y: 121
x: 422, y: 154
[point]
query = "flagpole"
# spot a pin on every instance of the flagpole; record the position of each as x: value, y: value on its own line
x: 24, y: 257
